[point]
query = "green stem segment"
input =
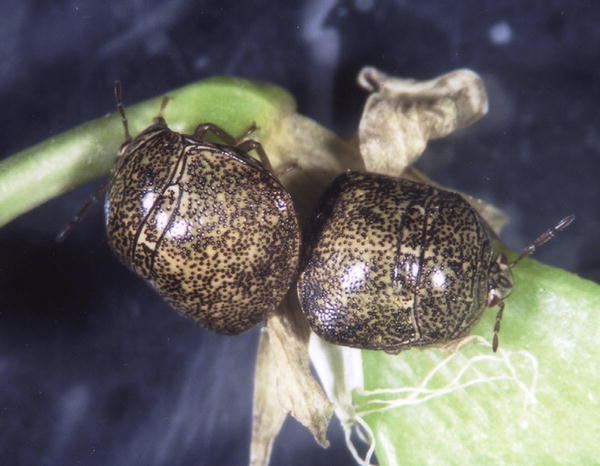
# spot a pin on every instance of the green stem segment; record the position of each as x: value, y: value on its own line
x: 48, y: 169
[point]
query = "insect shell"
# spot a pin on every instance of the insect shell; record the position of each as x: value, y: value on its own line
x: 211, y: 229
x: 397, y: 264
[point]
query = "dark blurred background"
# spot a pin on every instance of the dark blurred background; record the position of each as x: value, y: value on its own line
x: 95, y: 369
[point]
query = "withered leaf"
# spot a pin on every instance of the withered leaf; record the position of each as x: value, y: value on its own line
x: 401, y: 115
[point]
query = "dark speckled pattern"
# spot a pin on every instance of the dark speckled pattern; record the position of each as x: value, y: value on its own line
x: 212, y: 230
x: 395, y: 264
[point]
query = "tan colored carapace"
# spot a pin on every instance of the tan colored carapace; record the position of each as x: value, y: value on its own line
x: 395, y: 264
x: 212, y: 230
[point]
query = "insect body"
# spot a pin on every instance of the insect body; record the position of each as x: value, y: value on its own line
x: 397, y: 264
x: 212, y: 230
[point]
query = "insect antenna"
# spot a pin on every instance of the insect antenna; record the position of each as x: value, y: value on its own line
x: 544, y: 238
x: 121, y: 109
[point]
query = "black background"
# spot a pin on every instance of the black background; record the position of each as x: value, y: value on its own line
x: 95, y: 369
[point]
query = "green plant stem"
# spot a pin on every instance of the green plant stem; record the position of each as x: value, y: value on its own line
x: 48, y: 169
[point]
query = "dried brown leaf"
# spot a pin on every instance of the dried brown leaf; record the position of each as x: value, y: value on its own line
x: 401, y: 115
x: 285, y: 385
x: 283, y: 382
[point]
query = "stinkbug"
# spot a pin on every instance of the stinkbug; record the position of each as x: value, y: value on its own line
x: 396, y: 264
x: 210, y: 227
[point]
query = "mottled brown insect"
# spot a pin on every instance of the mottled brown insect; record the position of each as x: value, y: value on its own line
x: 211, y: 228
x: 397, y: 264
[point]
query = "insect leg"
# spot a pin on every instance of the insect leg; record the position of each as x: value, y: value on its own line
x: 62, y: 234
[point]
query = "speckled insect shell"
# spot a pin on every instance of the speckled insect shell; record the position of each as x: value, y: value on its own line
x: 395, y: 264
x: 207, y: 225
